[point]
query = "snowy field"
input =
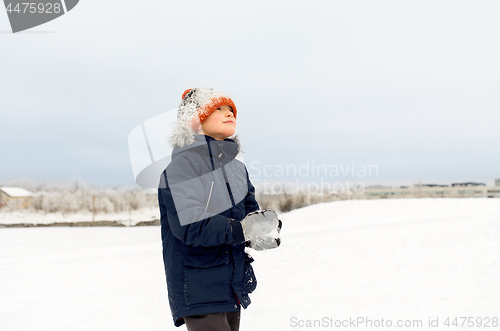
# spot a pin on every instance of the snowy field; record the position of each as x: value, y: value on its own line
x: 33, y: 217
x: 410, y: 259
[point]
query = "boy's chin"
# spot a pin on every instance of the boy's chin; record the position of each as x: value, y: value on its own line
x: 226, y: 134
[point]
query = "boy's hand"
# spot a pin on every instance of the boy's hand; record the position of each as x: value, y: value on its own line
x: 262, y: 229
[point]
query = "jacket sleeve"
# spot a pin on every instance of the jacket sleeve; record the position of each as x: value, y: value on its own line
x: 250, y: 202
x: 183, y: 207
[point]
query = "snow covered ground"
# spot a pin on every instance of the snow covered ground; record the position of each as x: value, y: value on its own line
x: 410, y: 259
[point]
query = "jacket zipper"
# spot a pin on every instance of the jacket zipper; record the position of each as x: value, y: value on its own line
x: 209, y: 195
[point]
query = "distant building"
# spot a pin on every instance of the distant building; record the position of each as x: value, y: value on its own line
x: 468, y: 184
x: 494, y: 191
x: 15, y: 197
x: 428, y: 191
x: 433, y: 185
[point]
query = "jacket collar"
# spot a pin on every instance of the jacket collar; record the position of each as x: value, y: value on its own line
x: 226, y: 149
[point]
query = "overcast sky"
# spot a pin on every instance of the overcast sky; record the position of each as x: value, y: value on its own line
x: 411, y: 87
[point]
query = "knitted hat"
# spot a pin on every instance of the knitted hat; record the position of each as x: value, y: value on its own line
x: 202, y: 102
x: 197, y: 104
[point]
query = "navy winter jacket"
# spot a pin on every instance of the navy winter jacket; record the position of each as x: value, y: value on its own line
x: 203, y: 195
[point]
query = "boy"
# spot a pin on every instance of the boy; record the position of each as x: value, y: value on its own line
x: 208, y: 215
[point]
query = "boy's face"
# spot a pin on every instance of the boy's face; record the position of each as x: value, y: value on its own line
x: 220, y: 124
